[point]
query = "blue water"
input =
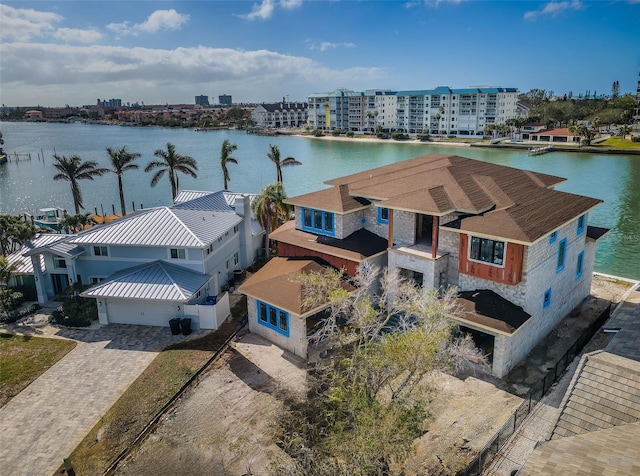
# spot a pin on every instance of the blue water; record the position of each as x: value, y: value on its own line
x: 27, y: 185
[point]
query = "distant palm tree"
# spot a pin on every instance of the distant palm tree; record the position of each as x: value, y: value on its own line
x: 270, y: 209
x: 73, y: 169
x: 225, y: 158
x: 173, y: 163
x: 79, y: 222
x: 274, y: 155
x: 121, y: 161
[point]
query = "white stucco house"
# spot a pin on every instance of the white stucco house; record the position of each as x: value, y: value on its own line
x: 155, y: 264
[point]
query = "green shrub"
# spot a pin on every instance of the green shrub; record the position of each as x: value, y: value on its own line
x: 318, y: 133
x: 350, y: 134
x: 335, y: 132
x: 425, y: 137
x: 382, y: 135
x: 399, y: 136
x: 29, y: 292
x: 635, y: 138
x: 10, y: 300
x: 76, y: 312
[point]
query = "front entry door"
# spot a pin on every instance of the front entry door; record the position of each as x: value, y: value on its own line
x: 424, y: 228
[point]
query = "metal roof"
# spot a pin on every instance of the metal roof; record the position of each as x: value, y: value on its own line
x: 163, y: 226
x: 157, y: 280
x: 187, y: 195
x: 55, y: 243
x: 212, y: 201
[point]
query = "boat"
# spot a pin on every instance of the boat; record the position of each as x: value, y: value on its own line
x: 49, y: 218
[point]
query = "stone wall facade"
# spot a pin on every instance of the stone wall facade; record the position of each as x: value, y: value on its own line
x: 433, y: 271
x: 297, y: 340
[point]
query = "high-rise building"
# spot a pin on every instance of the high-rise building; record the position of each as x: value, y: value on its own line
x: 457, y: 112
x: 636, y: 111
x: 225, y: 100
x: 202, y: 100
x: 110, y: 103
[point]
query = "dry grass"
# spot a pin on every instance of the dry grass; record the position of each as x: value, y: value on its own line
x: 24, y: 358
x: 168, y: 372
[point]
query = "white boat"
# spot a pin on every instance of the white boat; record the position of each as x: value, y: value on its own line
x: 49, y: 218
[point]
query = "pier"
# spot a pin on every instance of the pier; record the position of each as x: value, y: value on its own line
x: 540, y: 150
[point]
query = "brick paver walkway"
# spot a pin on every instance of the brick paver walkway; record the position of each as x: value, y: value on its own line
x: 47, y: 420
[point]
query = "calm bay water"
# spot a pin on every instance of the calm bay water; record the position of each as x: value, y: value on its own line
x: 27, y: 185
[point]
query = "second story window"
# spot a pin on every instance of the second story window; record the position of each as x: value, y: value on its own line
x: 100, y: 251
x: 487, y: 251
x: 383, y: 215
x: 562, y: 255
x: 581, y: 222
x: 178, y: 253
x: 318, y: 221
x: 59, y: 263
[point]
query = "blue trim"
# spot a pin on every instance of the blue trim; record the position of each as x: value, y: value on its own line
x: 580, y: 265
x: 562, y: 255
x: 273, y: 321
x: 553, y: 237
x: 315, y: 227
x: 384, y: 221
x: 546, y: 302
x: 581, y: 223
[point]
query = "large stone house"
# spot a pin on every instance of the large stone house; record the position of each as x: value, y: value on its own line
x: 154, y: 264
x: 520, y: 252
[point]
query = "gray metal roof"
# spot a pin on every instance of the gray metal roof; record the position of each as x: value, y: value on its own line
x: 55, y: 243
x: 163, y: 226
x: 187, y: 195
x: 211, y: 201
x: 157, y: 280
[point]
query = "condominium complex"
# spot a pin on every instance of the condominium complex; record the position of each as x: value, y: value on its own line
x: 457, y: 112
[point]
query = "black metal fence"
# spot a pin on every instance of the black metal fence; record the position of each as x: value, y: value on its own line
x: 535, y: 394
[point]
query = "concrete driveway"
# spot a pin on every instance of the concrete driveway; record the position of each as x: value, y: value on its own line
x: 42, y: 424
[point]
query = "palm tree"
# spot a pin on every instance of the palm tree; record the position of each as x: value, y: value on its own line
x: 121, y: 161
x: 72, y: 169
x: 274, y: 155
x: 270, y: 209
x: 173, y: 163
x: 7, y: 270
x: 78, y: 222
x: 225, y: 158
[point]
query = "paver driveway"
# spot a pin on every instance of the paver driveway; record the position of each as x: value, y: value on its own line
x: 42, y: 424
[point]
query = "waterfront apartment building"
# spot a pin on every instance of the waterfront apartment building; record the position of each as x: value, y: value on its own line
x: 439, y: 111
x: 277, y: 115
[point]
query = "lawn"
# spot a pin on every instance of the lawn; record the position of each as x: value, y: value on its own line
x: 168, y: 372
x: 24, y: 358
x: 618, y: 143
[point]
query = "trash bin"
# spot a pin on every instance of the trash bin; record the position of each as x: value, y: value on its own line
x: 175, y: 326
x: 185, y: 324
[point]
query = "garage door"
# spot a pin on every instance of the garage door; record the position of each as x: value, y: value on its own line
x: 141, y: 312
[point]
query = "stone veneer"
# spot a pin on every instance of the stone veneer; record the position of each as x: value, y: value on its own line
x: 297, y: 340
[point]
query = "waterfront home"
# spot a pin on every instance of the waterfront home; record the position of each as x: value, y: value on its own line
x: 154, y: 264
x: 277, y: 115
x: 520, y: 252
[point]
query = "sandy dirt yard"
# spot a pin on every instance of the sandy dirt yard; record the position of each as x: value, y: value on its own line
x: 223, y: 426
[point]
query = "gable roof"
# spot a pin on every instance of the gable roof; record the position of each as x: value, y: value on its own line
x: 511, y: 203
x: 277, y: 283
x: 155, y: 280
x: 55, y: 243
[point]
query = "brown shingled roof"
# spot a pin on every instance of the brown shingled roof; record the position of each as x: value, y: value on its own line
x: 334, y: 199
x: 277, y: 283
x: 504, y: 201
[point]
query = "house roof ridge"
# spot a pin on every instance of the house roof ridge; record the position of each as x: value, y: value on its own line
x: 184, y: 225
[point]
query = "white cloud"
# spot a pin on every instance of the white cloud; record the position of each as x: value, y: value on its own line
x: 21, y: 24
x: 262, y: 11
x: 157, y: 21
x: 68, y: 74
x: 77, y: 35
x: 553, y: 9
x: 290, y: 4
x: 327, y: 45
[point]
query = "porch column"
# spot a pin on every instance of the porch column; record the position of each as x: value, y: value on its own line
x: 39, y: 279
x: 390, y: 240
x: 434, y: 237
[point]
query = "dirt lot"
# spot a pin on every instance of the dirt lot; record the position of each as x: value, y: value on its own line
x: 223, y: 426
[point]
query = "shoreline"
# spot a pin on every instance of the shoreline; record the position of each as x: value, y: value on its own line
x: 376, y: 140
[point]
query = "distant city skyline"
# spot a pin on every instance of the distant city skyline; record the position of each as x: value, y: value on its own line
x: 70, y: 52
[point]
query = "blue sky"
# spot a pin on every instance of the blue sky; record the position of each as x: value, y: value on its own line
x: 72, y: 52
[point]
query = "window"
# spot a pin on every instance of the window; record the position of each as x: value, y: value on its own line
x: 581, y: 222
x: 318, y: 221
x: 59, y: 263
x: 236, y: 258
x: 273, y: 318
x: 100, y: 251
x: 547, y: 298
x: 562, y: 255
x: 553, y: 237
x: 178, y: 253
x: 487, y: 251
x: 580, y: 265
x: 236, y: 228
x: 383, y: 215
